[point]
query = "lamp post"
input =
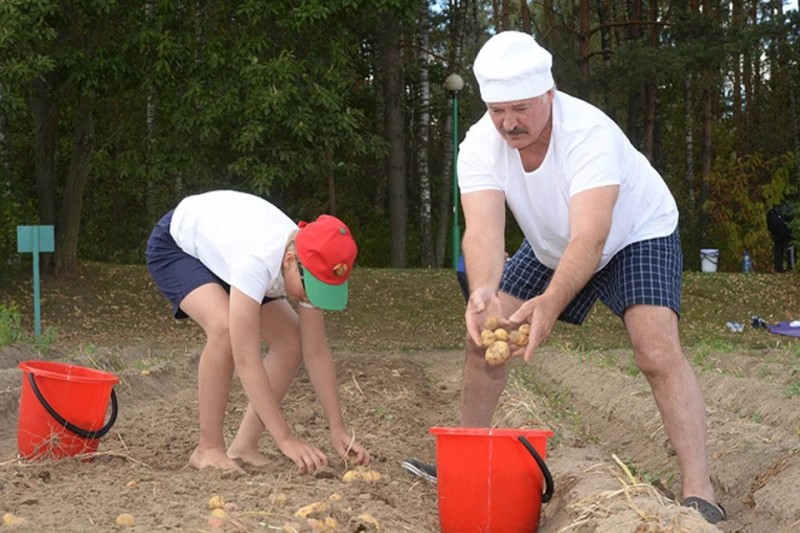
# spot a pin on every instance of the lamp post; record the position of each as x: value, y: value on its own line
x: 454, y: 83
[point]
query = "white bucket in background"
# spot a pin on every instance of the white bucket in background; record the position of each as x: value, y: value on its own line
x: 708, y: 259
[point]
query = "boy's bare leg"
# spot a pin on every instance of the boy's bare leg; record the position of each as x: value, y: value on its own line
x: 208, y: 306
x: 281, y: 333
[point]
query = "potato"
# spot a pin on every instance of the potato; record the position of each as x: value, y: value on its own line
x: 518, y: 338
x: 525, y: 329
x: 215, y: 523
x: 350, y: 476
x: 487, y: 337
x: 366, y: 522
x: 220, y: 513
x: 312, y: 508
x: 370, y: 475
x: 10, y: 519
x: 361, y: 473
x: 125, y: 520
x: 492, y: 323
x: 216, y: 502
x: 501, y: 334
x: 497, y: 353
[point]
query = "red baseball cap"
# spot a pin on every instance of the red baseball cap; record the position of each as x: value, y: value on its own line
x: 327, y: 251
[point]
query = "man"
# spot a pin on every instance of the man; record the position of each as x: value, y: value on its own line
x: 778, y: 219
x: 599, y: 223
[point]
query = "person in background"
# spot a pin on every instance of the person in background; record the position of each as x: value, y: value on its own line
x: 229, y: 261
x: 599, y: 223
x: 778, y: 219
x: 461, y: 276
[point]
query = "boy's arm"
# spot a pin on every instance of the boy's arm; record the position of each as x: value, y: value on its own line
x: 322, y: 373
x: 245, y: 334
x: 319, y: 364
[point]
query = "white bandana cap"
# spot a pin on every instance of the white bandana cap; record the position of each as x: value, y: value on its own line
x: 512, y: 66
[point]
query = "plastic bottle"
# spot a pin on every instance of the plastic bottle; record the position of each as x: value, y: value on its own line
x: 747, y: 262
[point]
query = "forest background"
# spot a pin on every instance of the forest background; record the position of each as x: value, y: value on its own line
x: 111, y: 111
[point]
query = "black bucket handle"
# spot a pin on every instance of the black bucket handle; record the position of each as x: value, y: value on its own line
x: 86, y: 434
x: 548, y: 479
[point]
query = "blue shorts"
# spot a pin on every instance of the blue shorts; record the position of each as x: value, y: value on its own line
x: 175, y: 272
x: 646, y: 272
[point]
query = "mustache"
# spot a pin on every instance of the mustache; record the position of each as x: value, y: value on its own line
x: 516, y: 131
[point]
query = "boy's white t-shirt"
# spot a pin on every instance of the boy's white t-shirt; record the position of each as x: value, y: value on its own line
x: 587, y: 150
x: 238, y: 236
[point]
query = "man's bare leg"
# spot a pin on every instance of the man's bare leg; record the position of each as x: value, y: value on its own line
x: 656, y: 346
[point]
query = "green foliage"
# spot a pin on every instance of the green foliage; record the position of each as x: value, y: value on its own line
x: 10, y: 324
x: 742, y: 191
x: 46, y: 339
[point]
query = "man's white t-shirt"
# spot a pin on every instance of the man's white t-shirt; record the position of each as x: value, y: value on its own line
x: 240, y: 237
x: 587, y: 150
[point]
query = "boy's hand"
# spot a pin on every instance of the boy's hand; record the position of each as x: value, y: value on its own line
x: 308, y: 458
x: 348, y: 448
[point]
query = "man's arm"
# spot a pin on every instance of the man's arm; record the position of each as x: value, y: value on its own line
x: 590, y: 215
x: 484, y: 254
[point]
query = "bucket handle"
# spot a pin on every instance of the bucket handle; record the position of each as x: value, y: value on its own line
x: 548, y: 479
x: 86, y: 434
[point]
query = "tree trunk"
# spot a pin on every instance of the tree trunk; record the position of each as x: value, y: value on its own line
x: 651, y: 91
x: 45, y: 113
x: 68, y: 230
x: 423, y: 170
x: 689, y: 142
x: 706, y: 156
x: 525, y: 15
x: 584, y: 44
x: 5, y: 160
x: 393, y: 96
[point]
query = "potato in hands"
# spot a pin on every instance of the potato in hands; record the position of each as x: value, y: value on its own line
x: 497, y: 341
x: 497, y: 353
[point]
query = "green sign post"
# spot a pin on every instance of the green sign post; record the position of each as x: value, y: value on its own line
x: 35, y: 240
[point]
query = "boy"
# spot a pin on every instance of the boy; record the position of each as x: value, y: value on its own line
x: 230, y: 260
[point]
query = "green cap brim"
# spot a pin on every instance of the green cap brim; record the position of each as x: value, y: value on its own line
x: 323, y: 295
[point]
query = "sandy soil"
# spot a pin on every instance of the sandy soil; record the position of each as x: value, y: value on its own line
x: 614, y: 470
x: 603, y: 418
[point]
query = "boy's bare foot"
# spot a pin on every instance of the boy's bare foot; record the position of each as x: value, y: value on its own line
x: 214, y: 458
x: 250, y: 457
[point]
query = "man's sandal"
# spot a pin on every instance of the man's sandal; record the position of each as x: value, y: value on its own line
x: 418, y: 468
x: 713, y: 513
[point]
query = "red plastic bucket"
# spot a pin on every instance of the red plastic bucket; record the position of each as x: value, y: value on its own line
x: 491, y: 480
x: 62, y: 409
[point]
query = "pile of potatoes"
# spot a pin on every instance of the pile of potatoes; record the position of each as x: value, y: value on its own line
x: 497, y: 340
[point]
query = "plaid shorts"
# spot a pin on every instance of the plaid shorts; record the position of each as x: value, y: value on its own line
x: 647, y: 272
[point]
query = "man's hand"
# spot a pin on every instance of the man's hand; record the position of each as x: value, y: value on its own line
x: 540, y: 315
x: 482, y: 304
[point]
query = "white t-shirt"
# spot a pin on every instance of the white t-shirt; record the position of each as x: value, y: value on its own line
x: 587, y: 150
x: 240, y: 237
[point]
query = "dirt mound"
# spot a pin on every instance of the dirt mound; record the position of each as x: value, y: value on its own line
x: 612, y: 465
